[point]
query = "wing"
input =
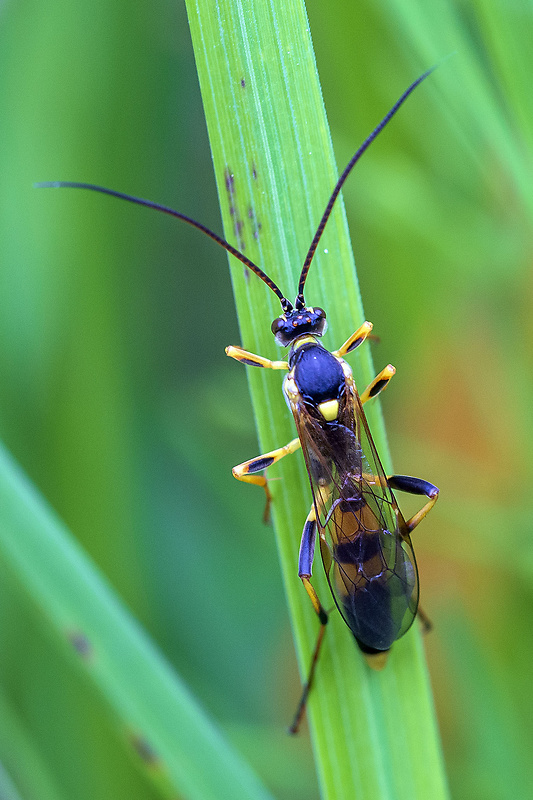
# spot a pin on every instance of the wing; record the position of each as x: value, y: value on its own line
x: 365, y: 545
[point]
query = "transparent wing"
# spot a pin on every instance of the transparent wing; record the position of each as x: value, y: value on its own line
x: 365, y: 545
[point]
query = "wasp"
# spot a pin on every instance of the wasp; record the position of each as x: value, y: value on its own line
x: 364, y: 540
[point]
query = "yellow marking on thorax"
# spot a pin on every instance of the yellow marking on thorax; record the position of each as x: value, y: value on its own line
x: 329, y: 410
x: 304, y: 340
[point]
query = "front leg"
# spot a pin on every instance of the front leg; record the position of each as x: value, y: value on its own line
x: 252, y: 360
x: 355, y: 340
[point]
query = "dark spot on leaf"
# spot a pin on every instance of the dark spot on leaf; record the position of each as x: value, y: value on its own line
x: 80, y: 643
x: 230, y: 180
x: 144, y: 749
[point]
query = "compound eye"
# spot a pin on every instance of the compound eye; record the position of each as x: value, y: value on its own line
x: 278, y: 324
x: 319, y: 311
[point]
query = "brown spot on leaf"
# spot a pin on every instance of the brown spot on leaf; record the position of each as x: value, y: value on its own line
x: 81, y: 644
x: 144, y: 750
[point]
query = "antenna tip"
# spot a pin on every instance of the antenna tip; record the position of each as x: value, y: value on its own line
x: 47, y: 185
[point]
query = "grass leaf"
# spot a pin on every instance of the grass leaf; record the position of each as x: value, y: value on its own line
x: 374, y: 734
x: 172, y: 741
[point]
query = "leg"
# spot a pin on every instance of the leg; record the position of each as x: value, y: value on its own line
x: 307, y: 549
x: 245, y: 472
x: 425, y: 621
x: 379, y: 383
x: 417, y: 486
x: 252, y: 360
x: 355, y: 340
x: 403, y: 483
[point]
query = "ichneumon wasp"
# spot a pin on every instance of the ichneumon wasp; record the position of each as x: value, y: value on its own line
x: 364, y: 540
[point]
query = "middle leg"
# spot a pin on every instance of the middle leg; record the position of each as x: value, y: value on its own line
x: 380, y: 382
x: 246, y: 472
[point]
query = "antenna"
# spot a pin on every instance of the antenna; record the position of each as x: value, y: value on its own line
x: 285, y: 304
x: 166, y: 210
x: 300, y: 303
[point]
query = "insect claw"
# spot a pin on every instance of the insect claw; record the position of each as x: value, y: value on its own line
x: 266, y: 513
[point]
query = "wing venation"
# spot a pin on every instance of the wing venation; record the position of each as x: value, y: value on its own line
x: 365, y: 546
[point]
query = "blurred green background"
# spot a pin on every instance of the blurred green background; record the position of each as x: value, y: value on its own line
x: 114, y: 385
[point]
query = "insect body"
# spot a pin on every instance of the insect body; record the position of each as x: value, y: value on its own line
x: 364, y: 540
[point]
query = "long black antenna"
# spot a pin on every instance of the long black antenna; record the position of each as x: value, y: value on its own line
x: 300, y: 303
x: 285, y: 304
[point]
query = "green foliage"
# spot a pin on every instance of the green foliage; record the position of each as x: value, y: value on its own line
x: 266, y: 127
x: 142, y: 706
x: 114, y: 384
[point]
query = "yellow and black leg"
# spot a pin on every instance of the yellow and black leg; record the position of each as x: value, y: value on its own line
x: 252, y: 360
x: 404, y: 483
x: 379, y: 383
x: 355, y: 340
x: 305, y: 563
x: 246, y: 472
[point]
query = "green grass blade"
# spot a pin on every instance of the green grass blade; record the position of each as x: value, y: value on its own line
x: 7, y: 788
x: 22, y: 768
x: 374, y: 734
x: 173, y: 743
